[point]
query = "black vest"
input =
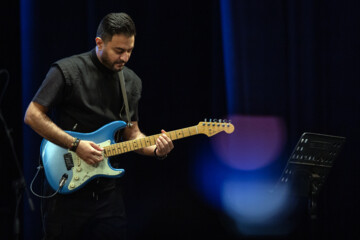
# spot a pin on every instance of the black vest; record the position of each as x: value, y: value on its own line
x: 92, y: 96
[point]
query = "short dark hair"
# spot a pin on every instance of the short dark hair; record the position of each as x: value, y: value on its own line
x: 115, y: 23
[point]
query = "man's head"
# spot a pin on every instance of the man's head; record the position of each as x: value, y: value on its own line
x: 115, y: 40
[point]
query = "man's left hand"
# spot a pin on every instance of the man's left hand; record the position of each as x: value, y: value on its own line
x: 164, y: 145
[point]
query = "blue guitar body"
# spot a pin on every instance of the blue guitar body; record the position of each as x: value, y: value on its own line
x: 59, y: 161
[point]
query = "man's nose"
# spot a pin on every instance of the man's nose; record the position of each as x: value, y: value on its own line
x: 125, y: 57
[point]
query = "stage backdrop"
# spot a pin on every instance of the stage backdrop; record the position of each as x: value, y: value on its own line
x: 293, y: 61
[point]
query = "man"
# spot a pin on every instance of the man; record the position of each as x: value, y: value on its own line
x: 84, y: 90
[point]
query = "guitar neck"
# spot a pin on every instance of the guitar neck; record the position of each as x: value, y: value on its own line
x: 132, y: 145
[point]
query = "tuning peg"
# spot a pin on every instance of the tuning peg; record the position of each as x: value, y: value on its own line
x: 223, y: 123
x: 205, y: 120
x: 214, y: 122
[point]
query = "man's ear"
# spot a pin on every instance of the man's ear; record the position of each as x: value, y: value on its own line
x: 99, y: 43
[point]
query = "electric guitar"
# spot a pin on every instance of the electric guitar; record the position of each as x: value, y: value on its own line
x: 66, y: 172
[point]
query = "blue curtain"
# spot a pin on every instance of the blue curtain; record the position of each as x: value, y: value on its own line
x: 296, y: 60
x: 300, y: 60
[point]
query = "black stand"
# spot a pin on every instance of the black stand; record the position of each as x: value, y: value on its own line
x: 308, y: 167
x: 20, y: 184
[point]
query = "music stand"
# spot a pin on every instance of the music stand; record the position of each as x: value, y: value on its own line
x: 309, y: 165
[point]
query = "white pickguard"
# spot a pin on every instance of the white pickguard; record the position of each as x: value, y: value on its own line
x: 82, y: 171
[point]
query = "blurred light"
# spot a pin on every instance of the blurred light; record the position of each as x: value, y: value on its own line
x: 255, y: 143
x: 257, y: 209
x: 252, y: 201
x: 229, y: 173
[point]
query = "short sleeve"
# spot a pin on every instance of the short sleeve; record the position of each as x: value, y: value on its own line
x: 51, y: 91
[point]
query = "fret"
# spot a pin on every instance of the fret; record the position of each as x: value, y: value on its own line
x: 193, y: 131
x: 179, y: 134
x: 156, y: 137
x: 173, y: 135
x: 186, y: 133
x: 152, y: 140
x: 113, y: 150
x: 138, y: 144
x: 124, y: 147
x: 146, y: 142
x: 141, y: 144
x: 182, y: 130
x: 135, y: 145
x: 108, y: 151
x: 118, y: 149
x: 127, y: 143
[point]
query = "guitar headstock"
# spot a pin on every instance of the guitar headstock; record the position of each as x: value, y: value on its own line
x: 214, y: 126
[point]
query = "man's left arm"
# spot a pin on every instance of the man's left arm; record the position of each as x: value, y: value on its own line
x: 163, y: 146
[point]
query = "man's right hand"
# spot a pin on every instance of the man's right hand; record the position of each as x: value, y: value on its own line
x: 90, y: 152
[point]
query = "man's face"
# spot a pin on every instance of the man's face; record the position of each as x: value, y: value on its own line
x: 116, y: 52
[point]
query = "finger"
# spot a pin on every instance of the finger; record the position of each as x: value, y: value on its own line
x: 168, y: 139
x: 96, y: 153
x: 97, y: 147
x: 98, y: 158
x: 163, y: 146
x: 165, y: 135
x: 160, y: 143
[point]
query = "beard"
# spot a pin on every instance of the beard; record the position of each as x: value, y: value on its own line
x: 115, y: 66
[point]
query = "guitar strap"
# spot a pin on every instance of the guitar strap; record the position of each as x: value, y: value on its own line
x: 123, y: 89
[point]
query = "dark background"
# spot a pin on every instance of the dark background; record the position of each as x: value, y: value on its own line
x: 297, y: 60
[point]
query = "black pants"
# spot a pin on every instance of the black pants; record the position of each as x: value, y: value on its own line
x: 85, y: 215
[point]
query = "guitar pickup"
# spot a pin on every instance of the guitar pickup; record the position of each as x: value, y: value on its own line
x: 68, y: 161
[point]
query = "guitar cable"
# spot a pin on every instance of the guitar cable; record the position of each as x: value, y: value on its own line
x: 61, y: 183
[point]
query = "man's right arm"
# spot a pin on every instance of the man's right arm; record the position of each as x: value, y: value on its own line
x: 36, y: 117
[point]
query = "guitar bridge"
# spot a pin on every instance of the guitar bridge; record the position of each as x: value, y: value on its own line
x: 68, y: 161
